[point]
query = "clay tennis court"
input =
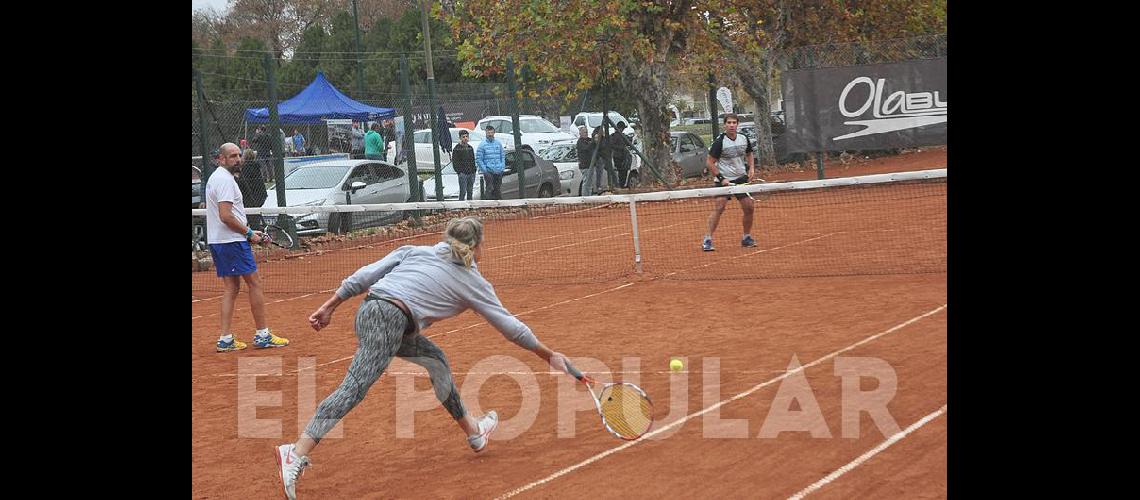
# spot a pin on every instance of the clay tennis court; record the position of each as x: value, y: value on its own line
x: 819, y: 291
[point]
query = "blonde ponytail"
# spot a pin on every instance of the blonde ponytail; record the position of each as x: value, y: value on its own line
x: 463, y: 235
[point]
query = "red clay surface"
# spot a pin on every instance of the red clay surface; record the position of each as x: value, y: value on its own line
x: 753, y: 328
x: 734, y: 334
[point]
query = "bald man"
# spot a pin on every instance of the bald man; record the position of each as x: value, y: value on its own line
x: 229, y: 236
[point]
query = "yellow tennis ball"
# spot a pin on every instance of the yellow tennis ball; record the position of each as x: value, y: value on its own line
x: 676, y: 365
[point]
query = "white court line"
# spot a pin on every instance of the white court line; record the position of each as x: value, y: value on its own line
x: 762, y: 250
x: 473, y: 325
x: 273, y: 302
x: 574, y: 212
x: 553, y: 236
x: 864, y: 457
x: 615, y: 235
x: 686, y: 418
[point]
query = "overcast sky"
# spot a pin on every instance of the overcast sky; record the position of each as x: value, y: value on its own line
x: 218, y: 5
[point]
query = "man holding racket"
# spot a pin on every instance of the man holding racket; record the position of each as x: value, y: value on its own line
x: 229, y: 236
x: 726, y: 160
x: 408, y: 290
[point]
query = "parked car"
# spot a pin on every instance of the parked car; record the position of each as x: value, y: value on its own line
x: 594, y: 120
x: 536, y: 131
x: 564, y: 156
x: 424, y: 141
x: 779, y: 139
x: 342, y: 182
x: 690, y: 152
x: 541, y: 179
x: 566, y: 153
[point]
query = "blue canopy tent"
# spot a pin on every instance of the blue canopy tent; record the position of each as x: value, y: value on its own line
x: 318, y: 102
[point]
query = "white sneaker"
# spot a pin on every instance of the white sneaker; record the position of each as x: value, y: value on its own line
x: 487, y: 425
x: 290, y: 468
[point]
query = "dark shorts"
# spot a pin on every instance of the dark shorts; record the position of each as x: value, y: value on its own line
x: 739, y: 180
x: 233, y: 259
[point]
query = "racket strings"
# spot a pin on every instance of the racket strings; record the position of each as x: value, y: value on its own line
x: 626, y: 411
x: 278, y: 236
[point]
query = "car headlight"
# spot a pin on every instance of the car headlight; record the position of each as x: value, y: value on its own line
x: 314, y: 203
x: 566, y: 175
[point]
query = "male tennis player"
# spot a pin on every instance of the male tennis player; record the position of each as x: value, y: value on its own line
x: 229, y: 236
x: 726, y: 160
x: 408, y: 290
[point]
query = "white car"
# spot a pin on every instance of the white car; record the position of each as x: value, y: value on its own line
x: 564, y: 156
x: 594, y: 120
x: 339, y: 183
x: 535, y: 130
x: 424, y: 141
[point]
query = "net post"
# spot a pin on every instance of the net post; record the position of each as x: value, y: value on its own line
x: 636, y: 239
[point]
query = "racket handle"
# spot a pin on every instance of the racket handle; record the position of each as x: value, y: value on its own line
x: 574, y: 371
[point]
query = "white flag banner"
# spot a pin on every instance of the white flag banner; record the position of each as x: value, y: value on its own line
x: 724, y: 97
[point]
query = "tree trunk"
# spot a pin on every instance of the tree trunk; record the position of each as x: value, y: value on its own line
x: 648, y: 81
x: 755, y: 82
x: 653, y: 108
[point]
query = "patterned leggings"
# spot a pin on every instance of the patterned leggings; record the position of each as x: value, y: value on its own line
x: 380, y: 331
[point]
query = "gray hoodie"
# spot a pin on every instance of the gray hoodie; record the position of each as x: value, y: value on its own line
x: 434, y: 287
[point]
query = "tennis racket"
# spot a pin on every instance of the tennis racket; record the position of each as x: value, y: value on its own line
x: 278, y: 237
x: 625, y: 409
x: 722, y: 182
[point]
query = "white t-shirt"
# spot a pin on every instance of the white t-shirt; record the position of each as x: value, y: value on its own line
x: 731, y: 155
x: 223, y: 187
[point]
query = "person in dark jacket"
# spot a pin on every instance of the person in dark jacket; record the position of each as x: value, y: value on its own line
x: 463, y: 160
x: 251, y: 183
x: 585, y: 148
x: 621, y: 155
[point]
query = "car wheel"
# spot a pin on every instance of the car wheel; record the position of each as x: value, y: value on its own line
x: 546, y: 191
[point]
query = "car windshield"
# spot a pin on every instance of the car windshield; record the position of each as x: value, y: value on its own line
x: 748, y: 130
x: 596, y: 120
x: 473, y: 136
x: 557, y: 153
x: 316, y: 177
x: 536, y: 126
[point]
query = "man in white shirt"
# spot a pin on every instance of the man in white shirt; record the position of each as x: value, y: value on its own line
x: 726, y: 162
x: 229, y: 236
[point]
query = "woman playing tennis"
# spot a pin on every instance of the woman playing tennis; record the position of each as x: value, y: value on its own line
x: 408, y: 290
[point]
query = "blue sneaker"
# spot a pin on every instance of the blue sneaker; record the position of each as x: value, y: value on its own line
x: 232, y: 345
x: 270, y: 340
x: 748, y: 242
x: 707, y: 245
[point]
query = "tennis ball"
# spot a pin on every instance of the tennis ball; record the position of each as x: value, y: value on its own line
x: 676, y: 365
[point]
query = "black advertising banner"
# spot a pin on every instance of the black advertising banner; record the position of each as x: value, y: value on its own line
x: 879, y: 106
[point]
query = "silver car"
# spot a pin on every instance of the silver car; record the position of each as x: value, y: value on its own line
x: 541, y: 179
x: 564, y: 156
x: 690, y: 152
x: 342, y: 182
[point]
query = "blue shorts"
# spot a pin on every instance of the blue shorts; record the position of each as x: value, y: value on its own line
x: 233, y: 259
